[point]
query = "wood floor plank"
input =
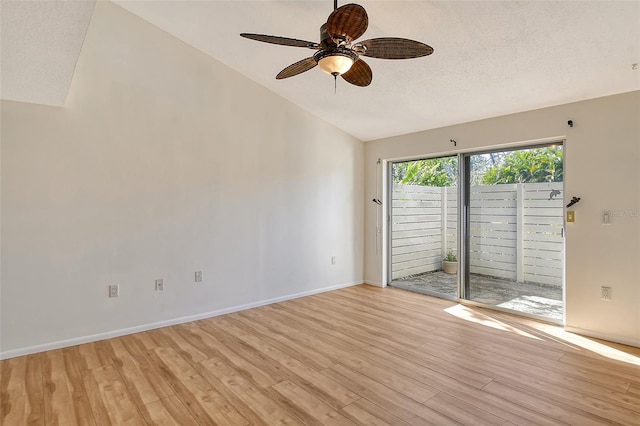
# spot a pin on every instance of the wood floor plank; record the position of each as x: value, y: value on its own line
x: 237, y: 353
x: 144, y: 383
x: 202, y: 401
x: 404, y: 345
x: 360, y: 355
x: 343, y: 353
x: 461, y: 390
x: 615, y: 368
x: 92, y: 355
x: 179, y: 343
x: 365, y: 412
x: 273, y: 331
x: 461, y: 411
x: 316, y: 412
x: 441, y: 361
x: 21, y: 391
x: 256, y: 399
x: 66, y: 401
x: 168, y: 411
x: 109, y: 396
x: 325, y: 389
x: 397, y: 404
x: 536, y: 363
x: 572, y: 392
x: 559, y: 411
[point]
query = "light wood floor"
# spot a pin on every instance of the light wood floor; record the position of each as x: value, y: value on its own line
x: 361, y: 355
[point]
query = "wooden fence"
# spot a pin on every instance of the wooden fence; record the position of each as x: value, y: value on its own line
x: 515, y: 230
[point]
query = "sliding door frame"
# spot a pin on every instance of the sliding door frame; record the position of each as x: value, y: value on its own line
x: 465, y: 221
x: 464, y: 217
x: 389, y: 215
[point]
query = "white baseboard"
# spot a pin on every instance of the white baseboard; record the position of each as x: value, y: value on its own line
x: 373, y: 283
x: 151, y: 326
x: 603, y: 336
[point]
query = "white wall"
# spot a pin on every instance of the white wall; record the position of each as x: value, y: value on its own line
x: 602, y: 167
x: 164, y: 162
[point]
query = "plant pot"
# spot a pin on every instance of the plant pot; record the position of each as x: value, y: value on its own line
x: 449, y: 267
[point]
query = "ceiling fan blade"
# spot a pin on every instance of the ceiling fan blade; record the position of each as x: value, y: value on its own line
x: 348, y: 22
x: 297, y: 68
x: 283, y: 41
x: 359, y: 74
x: 393, y: 48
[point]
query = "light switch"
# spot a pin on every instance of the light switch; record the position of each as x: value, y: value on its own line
x: 571, y: 216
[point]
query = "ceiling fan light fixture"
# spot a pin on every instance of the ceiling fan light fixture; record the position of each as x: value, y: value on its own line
x: 335, y: 64
x: 335, y: 61
x: 337, y: 55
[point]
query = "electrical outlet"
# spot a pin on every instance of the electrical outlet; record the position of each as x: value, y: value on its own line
x: 198, y: 276
x: 333, y: 260
x: 160, y: 284
x: 114, y: 290
x: 605, y: 293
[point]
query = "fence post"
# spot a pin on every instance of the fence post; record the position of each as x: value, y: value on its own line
x: 443, y: 235
x: 520, y: 232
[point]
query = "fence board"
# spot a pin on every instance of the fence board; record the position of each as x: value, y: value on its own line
x: 414, y: 241
x: 415, y: 203
x: 417, y: 226
x: 493, y: 228
x: 410, y: 218
x: 412, y: 248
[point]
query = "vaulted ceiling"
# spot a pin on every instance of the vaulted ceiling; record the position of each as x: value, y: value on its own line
x: 491, y: 57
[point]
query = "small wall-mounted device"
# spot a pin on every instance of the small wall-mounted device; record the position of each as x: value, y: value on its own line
x: 571, y: 216
x: 453, y: 141
x: 606, y: 216
x: 570, y: 123
x: 573, y: 201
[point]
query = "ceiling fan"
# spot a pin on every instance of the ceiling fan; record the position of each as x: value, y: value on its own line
x: 338, y: 55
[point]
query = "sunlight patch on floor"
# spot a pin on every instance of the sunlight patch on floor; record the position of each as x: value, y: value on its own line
x: 468, y: 314
x: 601, y: 348
x: 549, y: 332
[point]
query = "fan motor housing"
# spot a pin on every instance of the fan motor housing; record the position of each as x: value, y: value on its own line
x: 336, y: 51
x: 325, y: 38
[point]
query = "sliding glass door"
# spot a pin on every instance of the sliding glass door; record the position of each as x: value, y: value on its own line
x: 511, y: 228
x: 423, y: 226
x: 514, y: 230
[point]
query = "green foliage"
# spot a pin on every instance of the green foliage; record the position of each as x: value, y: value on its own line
x: 522, y: 166
x: 533, y: 165
x: 450, y: 257
x: 431, y: 172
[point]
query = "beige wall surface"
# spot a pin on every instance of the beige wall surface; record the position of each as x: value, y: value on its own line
x: 602, y: 154
x: 162, y: 163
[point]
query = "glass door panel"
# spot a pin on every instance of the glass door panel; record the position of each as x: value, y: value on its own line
x: 515, y: 245
x: 423, y: 226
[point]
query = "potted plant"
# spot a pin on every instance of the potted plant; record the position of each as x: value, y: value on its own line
x: 450, y: 263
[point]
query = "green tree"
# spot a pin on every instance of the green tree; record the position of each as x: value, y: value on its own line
x: 430, y: 172
x: 532, y: 165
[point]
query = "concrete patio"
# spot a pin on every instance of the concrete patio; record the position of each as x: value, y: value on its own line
x: 531, y: 298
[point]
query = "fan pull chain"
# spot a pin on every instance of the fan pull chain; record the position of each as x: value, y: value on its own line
x: 335, y: 84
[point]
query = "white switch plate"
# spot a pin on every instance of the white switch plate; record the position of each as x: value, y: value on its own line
x: 198, y: 276
x: 606, y: 293
x: 160, y: 284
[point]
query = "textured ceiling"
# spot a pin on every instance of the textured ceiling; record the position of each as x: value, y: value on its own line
x: 40, y: 43
x: 490, y: 59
